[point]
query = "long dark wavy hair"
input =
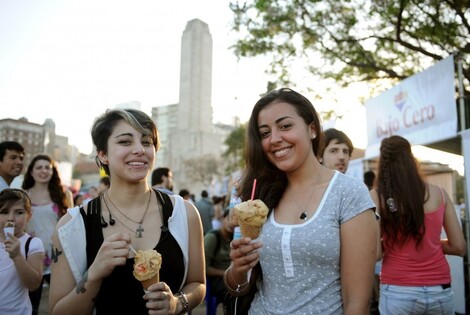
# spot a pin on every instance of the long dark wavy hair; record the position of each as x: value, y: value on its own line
x: 272, y: 182
x: 55, y: 187
x: 399, y: 178
x: 104, y: 125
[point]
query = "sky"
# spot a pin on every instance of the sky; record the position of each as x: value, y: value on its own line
x: 71, y: 60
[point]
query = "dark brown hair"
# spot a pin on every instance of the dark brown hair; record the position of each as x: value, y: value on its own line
x: 104, y: 125
x: 10, y: 145
x: 399, y: 178
x: 55, y: 188
x: 271, y: 182
x: 10, y: 196
x: 335, y: 134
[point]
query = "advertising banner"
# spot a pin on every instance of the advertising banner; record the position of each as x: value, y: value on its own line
x: 421, y: 108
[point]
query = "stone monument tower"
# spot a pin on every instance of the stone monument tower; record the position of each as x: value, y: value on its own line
x: 195, y: 109
x: 186, y: 128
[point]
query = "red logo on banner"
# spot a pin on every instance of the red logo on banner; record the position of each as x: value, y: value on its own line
x: 400, y: 100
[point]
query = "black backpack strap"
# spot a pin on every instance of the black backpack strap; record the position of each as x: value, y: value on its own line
x: 93, y: 228
x: 26, y: 246
x: 167, y: 208
x: 82, y: 213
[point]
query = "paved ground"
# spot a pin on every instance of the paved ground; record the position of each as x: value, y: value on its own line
x: 43, y: 308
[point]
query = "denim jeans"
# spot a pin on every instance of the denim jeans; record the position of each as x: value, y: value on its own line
x: 404, y: 300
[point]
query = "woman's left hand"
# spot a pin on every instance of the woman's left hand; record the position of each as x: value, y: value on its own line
x: 160, y: 299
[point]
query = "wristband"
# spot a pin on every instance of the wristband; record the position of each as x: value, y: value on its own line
x: 183, y: 300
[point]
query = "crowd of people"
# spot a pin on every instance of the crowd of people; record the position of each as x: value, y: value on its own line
x: 326, y: 235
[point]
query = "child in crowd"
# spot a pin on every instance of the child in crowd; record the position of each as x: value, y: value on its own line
x: 21, y: 255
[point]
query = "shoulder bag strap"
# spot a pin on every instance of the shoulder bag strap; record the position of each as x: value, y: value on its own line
x: 26, y: 246
x: 167, y: 208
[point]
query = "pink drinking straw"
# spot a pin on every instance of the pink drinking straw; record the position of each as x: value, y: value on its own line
x: 253, y: 189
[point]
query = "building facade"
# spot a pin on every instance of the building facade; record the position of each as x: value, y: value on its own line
x: 40, y: 139
x: 31, y: 136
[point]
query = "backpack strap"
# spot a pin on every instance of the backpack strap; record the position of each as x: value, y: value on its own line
x: 167, y: 209
x: 26, y: 246
x: 93, y: 221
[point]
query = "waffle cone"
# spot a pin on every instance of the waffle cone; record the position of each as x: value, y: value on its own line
x: 250, y: 231
x: 147, y: 283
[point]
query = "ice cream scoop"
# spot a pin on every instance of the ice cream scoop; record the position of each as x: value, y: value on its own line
x: 9, y: 228
x: 147, y: 264
x: 251, y: 216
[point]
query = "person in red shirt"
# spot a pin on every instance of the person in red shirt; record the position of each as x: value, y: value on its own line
x: 415, y: 276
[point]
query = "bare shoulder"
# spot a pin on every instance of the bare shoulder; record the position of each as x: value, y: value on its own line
x: 434, y: 197
x: 69, y: 196
x: 435, y: 192
x: 68, y: 192
x: 190, y: 208
x: 374, y: 194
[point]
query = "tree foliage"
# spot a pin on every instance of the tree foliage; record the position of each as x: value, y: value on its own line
x: 234, y: 154
x: 353, y: 40
x: 202, y: 169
